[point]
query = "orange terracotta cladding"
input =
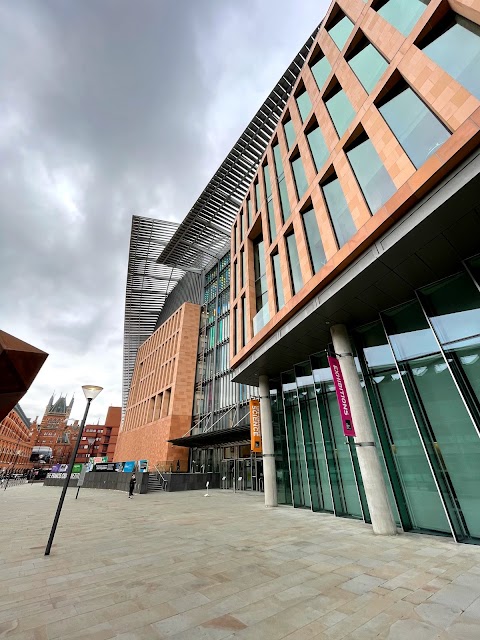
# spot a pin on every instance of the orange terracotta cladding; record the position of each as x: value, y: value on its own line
x: 160, y: 401
x: 451, y: 103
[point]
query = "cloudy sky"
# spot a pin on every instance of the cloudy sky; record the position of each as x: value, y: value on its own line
x: 110, y: 108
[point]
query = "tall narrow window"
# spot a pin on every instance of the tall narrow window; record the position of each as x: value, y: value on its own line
x: 373, y: 178
x: 294, y: 263
x: 340, y: 215
x: 245, y: 321
x: 249, y: 212
x: 367, y: 64
x: 235, y: 330
x: 241, y: 225
x: 320, y: 69
x: 400, y: 14
x: 282, y: 186
x: 234, y: 239
x: 314, y: 240
x: 261, y: 290
x: 258, y: 197
x: 318, y: 147
x: 455, y: 46
x: 340, y: 109
x: 304, y: 104
x: 341, y: 31
x: 416, y: 128
x: 234, y: 278
x: 277, y: 278
x: 300, y: 177
x: 289, y: 132
x: 242, y: 269
x: 272, y: 227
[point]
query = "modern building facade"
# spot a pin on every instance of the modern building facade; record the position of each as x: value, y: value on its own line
x: 100, y: 440
x: 359, y: 238
x: 15, y: 445
x: 161, y: 393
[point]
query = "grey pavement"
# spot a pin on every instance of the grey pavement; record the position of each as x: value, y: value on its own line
x: 181, y: 566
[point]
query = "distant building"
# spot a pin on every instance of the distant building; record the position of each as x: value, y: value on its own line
x: 100, y: 440
x: 56, y: 430
x: 15, y: 445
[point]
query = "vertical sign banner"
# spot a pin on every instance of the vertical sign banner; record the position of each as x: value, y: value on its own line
x: 342, y: 397
x: 255, y: 432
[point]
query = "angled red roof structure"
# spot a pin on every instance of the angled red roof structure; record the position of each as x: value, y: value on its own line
x: 20, y: 363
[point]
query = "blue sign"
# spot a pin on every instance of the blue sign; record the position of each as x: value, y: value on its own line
x: 129, y: 466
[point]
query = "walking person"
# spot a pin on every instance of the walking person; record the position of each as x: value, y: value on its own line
x: 133, y: 481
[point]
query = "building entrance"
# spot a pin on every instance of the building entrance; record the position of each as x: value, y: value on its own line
x: 242, y: 474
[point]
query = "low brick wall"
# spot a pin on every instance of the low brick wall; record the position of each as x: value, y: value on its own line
x: 105, y: 480
x: 191, y: 481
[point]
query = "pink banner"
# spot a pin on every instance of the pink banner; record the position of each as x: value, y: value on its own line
x: 342, y: 397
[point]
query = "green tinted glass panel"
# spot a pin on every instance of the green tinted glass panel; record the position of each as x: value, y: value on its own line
x: 403, y: 14
x: 277, y: 275
x: 374, y: 180
x: 289, y: 133
x: 277, y: 154
x: 402, y: 438
x: 304, y: 105
x: 458, y: 52
x: 295, y: 271
x: 341, y: 111
x: 249, y: 210
x: 318, y: 147
x: 341, y: 31
x: 416, y: 128
x: 368, y: 65
x: 300, y: 177
x: 272, y: 227
x: 245, y: 321
x: 453, y: 442
x: 314, y: 240
x: 340, y: 215
x: 296, y: 444
x: 268, y: 184
x: 258, y: 197
x: 285, y: 202
x: 321, y: 70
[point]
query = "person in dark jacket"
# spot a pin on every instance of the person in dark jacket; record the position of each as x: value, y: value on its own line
x: 133, y: 481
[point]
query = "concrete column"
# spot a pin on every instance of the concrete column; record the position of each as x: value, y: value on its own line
x: 383, y: 522
x: 269, y: 473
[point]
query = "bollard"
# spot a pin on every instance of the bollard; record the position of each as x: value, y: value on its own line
x: 207, y: 494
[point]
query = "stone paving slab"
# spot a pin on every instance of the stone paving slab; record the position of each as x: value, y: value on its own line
x: 180, y: 566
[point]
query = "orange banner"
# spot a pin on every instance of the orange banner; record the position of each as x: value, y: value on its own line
x: 255, y: 432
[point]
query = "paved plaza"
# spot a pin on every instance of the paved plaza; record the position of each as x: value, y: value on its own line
x: 186, y: 567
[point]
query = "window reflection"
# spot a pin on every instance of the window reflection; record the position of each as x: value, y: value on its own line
x: 402, y: 14
x: 341, y: 31
x: 368, y: 65
x: 340, y: 215
x: 341, y: 111
x: 457, y: 51
x: 416, y: 128
x: 373, y: 178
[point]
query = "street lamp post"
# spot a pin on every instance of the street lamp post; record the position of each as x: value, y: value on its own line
x: 91, y: 392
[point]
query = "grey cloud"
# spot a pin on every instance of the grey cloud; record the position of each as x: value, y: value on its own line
x: 110, y: 108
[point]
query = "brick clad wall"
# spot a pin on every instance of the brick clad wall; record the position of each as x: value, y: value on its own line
x: 453, y: 105
x: 161, y: 395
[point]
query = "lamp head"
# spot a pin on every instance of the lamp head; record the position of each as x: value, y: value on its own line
x: 91, y: 391
x: 91, y: 440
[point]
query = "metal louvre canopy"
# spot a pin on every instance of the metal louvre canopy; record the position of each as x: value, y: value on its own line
x: 205, y: 231
x: 148, y: 285
x: 222, y: 437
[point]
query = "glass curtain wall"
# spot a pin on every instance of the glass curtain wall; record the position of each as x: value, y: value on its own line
x: 323, y: 467
x: 219, y: 403
x: 419, y: 364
